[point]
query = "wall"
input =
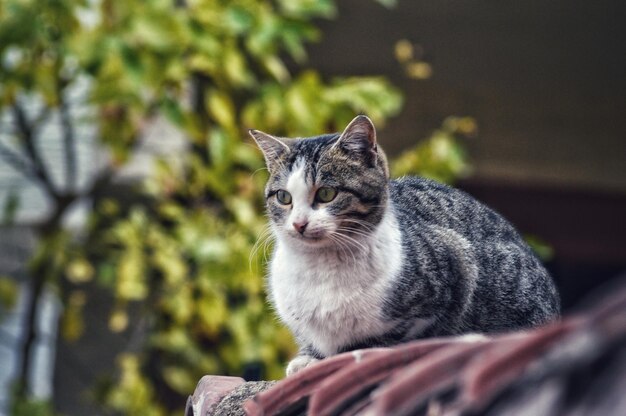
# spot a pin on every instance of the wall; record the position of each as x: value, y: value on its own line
x: 545, y: 80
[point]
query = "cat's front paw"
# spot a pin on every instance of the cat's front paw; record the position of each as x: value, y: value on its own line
x: 300, y: 362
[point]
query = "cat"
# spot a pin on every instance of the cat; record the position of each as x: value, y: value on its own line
x: 361, y: 260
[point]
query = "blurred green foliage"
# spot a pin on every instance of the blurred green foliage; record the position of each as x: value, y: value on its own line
x: 179, y: 267
x: 442, y: 156
x: 8, y: 293
x: 542, y: 249
x: 32, y: 408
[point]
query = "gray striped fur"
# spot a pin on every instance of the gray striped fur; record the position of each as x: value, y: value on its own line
x: 462, y: 268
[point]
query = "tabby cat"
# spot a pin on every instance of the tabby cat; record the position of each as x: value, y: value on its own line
x: 361, y: 260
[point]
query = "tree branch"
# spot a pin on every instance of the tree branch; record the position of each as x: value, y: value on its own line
x: 27, y: 134
x: 36, y: 288
x: 101, y: 182
x: 16, y: 161
x: 41, y: 117
x: 69, y: 142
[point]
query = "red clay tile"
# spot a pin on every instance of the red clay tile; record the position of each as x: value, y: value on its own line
x: 484, y: 379
x: 291, y: 390
x: 415, y: 384
x: 450, y: 375
x: 608, y: 314
x: 343, y: 388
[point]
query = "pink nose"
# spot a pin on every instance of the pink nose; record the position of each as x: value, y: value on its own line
x: 300, y: 226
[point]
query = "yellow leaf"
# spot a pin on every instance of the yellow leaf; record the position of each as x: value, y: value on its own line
x: 222, y: 108
x: 419, y: 70
x: 276, y: 68
x: 130, y: 284
x: 403, y: 50
x: 8, y: 292
x: 118, y: 321
x: 79, y: 271
x: 72, y: 323
x: 179, y: 379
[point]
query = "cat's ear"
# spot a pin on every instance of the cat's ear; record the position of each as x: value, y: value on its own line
x: 273, y: 148
x: 359, y: 136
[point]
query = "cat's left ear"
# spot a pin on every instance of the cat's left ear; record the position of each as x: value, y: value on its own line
x: 360, y: 137
x: 273, y: 148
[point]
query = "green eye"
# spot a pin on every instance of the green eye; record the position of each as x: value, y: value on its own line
x: 325, y: 194
x: 283, y: 197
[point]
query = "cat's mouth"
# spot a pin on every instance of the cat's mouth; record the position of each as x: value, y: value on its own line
x: 310, y: 238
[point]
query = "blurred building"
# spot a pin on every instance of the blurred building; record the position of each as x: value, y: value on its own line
x: 545, y: 82
x: 18, y: 239
x: 78, y: 364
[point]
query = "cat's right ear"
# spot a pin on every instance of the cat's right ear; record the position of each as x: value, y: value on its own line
x: 360, y: 138
x: 273, y: 148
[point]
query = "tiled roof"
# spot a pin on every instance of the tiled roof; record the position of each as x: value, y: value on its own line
x: 575, y: 366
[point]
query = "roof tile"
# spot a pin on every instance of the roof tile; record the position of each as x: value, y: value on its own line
x: 575, y: 366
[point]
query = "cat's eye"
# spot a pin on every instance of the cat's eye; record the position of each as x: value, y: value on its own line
x: 325, y: 194
x: 283, y: 197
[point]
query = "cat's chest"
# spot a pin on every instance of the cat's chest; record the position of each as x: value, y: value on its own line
x: 327, y: 303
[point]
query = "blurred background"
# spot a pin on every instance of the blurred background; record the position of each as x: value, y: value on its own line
x: 132, y: 236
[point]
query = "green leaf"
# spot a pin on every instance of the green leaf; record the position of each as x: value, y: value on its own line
x: 221, y: 108
x: 388, y: 3
x: 308, y: 8
x: 179, y: 379
x: 276, y: 68
x: 11, y: 206
x: 235, y: 68
x: 72, y: 322
x: 79, y: 271
x: 130, y: 283
x: 8, y: 292
x: 541, y: 248
x: 238, y: 19
x: 173, y: 112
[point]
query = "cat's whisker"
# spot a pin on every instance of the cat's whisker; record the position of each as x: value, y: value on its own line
x: 257, y: 171
x: 337, y: 242
x: 343, y: 246
x: 355, y: 239
x: 365, y: 232
x: 366, y: 226
x: 358, y: 221
x: 269, y: 240
x: 361, y: 238
x: 261, y: 243
x: 354, y: 231
x: 355, y: 242
x: 349, y: 250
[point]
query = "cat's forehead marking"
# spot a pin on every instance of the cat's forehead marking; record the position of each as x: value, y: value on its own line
x: 296, y: 182
x: 311, y: 150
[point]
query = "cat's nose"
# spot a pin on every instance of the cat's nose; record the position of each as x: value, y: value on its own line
x: 300, y: 226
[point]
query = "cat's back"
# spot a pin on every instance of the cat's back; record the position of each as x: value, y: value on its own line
x: 421, y: 200
x: 510, y: 282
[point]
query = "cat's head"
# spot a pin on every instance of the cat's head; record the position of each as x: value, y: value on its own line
x: 328, y: 190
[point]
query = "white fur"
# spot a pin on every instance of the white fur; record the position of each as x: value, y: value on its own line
x: 327, y: 296
x: 473, y: 337
x: 419, y: 326
x: 320, y: 223
x: 299, y: 363
x: 300, y: 194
